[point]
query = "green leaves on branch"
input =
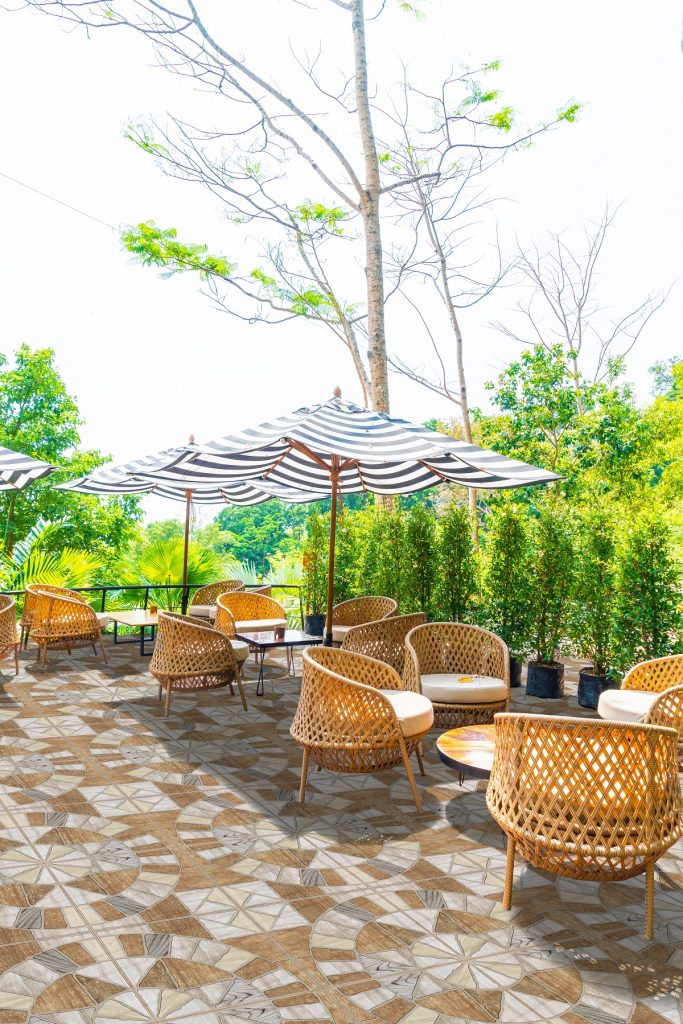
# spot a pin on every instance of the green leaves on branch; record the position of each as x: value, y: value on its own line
x: 159, y: 247
x: 310, y: 214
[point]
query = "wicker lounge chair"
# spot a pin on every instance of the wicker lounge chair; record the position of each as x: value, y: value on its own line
x: 204, y: 600
x: 30, y: 604
x: 63, y: 622
x: 385, y: 639
x: 640, y: 689
x: 190, y: 655
x: 358, y: 611
x: 463, y: 669
x: 225, y: 623
x: 10, y: 638
x: 586, y: 799
x: 254, y: 613
x: 354, y: 716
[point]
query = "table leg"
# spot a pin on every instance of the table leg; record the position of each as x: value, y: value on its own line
x: 142, y: 641
x: 116, y: 632
x: 259, y: 685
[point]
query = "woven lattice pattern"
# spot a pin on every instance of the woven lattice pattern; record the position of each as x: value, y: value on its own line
x: 248, y: 606
x: 266, y: 589
x: 384, y: 640
x: 210, y: 593
x: 61, y: 622
x: 9, y: 633
x: 585, y: 798
x: 360, y: 610
x: 30, y: 601
x: 656, y: 675
x: 455, y: 647
x: 225, y: 620
x: 343, y: 723
x: 189, y: 655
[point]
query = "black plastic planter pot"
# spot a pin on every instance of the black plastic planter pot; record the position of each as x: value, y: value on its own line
x: 591, y: 686
x: 516, y: 666
x: 314, y: 625
x: 546, y: 681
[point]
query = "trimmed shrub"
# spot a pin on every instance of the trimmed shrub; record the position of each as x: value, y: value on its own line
x: 552, y: 583
x: 420, y: 574
x: 457, y: 565
x: 507, y: 577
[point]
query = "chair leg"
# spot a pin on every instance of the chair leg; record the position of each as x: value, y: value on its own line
x: 304, y: 773
x: 104, y: 653
x: 159, y: 695
x: 16, y: 657
x: 418, y: 755
x: 238, y: 680
x: 509, y: 873
x: 650, y: 901
x: 411, y: 777
x: 167, y: 706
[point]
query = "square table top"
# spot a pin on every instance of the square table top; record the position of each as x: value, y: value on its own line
x: 134, y: 617
x: 277, y: 638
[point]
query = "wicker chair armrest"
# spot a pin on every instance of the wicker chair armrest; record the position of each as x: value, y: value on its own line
x: 340, y: 712
x: 667, y: 710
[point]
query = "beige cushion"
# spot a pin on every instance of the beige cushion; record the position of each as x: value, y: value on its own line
x: 339, y: 633
x: 459, y: 688
x: 413, y: 710
x: 625, y: 705
x: 202, y: 611
x: 260, y: 625
x: 241, y: 649
x: 102, y: 619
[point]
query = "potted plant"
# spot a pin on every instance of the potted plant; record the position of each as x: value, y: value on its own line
x: 594, y: 609
x: 507, y: 582
x: 551, y: 594
x: 314, y: 582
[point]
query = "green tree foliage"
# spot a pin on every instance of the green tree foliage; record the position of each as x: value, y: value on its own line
x: 552, y: 582
x: 596, y: 593
x: 39, y: 417
x: 457, y: 576
x: 648, y: 617
x: 421, y: 554
x: 508, y: 576
x: 31, y: 562
x: 347, y: 548
x: 161, y: 562
x: 315, y: 560
x: 259, y: 532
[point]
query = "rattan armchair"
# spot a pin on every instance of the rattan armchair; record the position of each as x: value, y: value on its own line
x: 357, y: 611
x: 584, y: 798
x: 62, y: 622
x: 463, y: 669
x: 354, y: 716
x: 254, y: 613
x: 204, y: 600
x: 30, y: 603
x: 640, y: 688
x: 189, y: 655
x: 385, y: 639
x: 10, y: 638
x: 225, y: 624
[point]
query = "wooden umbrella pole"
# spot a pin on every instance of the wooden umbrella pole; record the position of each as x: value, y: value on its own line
x: 188, y: 502
x: 334, y: 477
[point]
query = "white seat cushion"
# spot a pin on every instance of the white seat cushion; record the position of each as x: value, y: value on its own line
x: 625, y: 705
x: 102, y: 619
x: 413, y: 710
x: 241, y: 649
x: 339, y: 633
x: 459, y: 688
x: 260, y: 625
x: 202, y: 611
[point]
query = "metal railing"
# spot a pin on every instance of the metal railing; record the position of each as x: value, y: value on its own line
x: 107, y: 588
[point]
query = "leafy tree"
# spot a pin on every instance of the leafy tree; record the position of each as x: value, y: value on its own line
x: 346, y: 559
x: 421, y: 553
x: 315, y: 560
x: 595, y: 605
x: 259, y: 532
x: 161, y: 563
x: 552, y: 582
x: 30, y: 562
x: 508, y: 576
x: 39, y: 417
x: 648, y: 619
x: 457, y: 578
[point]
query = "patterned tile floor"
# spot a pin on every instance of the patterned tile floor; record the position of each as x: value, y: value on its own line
x: 159, y: 870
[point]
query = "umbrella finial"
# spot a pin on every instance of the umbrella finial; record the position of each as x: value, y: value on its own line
x: 191, y: 440
x: 337, y: 392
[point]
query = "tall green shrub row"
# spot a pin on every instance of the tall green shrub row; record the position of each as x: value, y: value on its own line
x: 548, y: 581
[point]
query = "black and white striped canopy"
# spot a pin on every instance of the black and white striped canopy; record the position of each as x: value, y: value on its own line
x: 376, y: 452
x: 18, y: 471
x: 125, y: 479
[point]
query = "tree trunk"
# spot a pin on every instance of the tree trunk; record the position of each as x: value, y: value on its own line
x: 377, y: 353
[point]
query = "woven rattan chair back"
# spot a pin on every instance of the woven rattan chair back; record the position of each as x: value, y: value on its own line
x: 385, y: 639
x: 585, y: 798
x: 266, y: 589
x: 656, y: 675
x: 247, y: 606
x: 343, y: 723
x: 30, y: 602
x: 189, y: 655
x: 9, y: 636
x: 225, y: 620
x: 359, y: 610
x: 62, y: 622
x: 207, y: 595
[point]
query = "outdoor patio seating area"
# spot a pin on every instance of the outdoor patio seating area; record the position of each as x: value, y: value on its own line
x: 163, y: 869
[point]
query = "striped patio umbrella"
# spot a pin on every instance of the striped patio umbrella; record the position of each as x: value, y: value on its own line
x: 126, y: 479
x: 337, y: 447
x: 17, y: 471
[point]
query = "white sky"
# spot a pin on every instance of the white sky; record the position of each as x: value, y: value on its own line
x: 150, y: 360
